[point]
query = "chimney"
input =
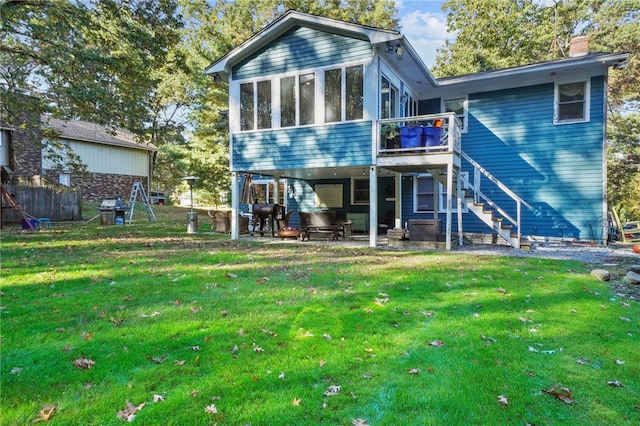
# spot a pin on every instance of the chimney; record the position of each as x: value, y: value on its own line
x: 579, y: 46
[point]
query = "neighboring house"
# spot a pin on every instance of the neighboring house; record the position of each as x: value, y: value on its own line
x: 312, y: 102
x: 114, y: 160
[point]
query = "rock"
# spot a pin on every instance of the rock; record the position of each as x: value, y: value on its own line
x: 632, y: 278
x: 601, y: 274
x: 635, y: 268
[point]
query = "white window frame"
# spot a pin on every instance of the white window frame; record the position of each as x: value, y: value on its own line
x: 464, y: 117
x: 353, y: 195
x: 556, y: 102
x: 415, y: 191
x: 442, y: 196
x: 319, y: 105
x: 396, y: 101
x: 64, y: 179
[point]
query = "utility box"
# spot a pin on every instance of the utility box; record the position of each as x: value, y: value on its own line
x: 424, y: 229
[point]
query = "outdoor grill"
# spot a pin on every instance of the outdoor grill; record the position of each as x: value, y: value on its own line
x: 264, y: 214
x: 113, y: 211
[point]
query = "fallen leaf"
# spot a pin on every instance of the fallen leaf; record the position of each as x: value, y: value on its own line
x: 179, y: 363
x: 560, y: 393
x: 158, y: 359
x: 359, y: 422
x: 195, y: 309
x: 45, y: 414
x: 281, y: 375
x: 211, y: 409
x: 625, y: 319
x: 615, y: 383
x: 414, y: 371
x: 87, y: 336
x: 322, y: 362
x: 158, y: 398
x: 326, y: 336
x: 618, y: 362
x: 83, y: 363
x: 436, y: 343
x: 503, y: 401
x: 230, y: 275
x: 195, y: 392
x: 195, y: 348
x: 296, y: 402
x: 16, y: 370
x: 501, y: 290
x: 333, y: 390
x: 117, y: 322
x: 130, y: 410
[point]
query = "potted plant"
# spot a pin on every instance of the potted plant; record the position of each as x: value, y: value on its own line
x: 391, y: 135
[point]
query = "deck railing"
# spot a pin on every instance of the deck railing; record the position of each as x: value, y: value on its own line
x: 441, y: 133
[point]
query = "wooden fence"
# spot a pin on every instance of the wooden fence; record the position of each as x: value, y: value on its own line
x: 39, y: 202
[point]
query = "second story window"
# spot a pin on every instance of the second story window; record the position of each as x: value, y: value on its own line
x: 255, y: 105
x: 287, y: 101
x: 247, y: 107
x: 459, y: 106
x: 307, y: 89
x: 571, y: 103
x: 388, y: 99
x: 343, y: 94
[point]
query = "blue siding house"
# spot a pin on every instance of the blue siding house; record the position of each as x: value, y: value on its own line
x: 328, y: 115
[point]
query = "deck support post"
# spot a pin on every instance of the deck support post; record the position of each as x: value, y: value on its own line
x: 235, y: 199
x: 373, y: 206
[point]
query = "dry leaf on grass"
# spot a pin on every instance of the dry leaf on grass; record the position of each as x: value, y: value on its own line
x: 359, y: 422
x: 83, y: 363
x: 296, y: 402
x: 16, y: 370
x: 414, y: 371
x: 158, y: 398
x: 560, y: 393
x: 333, y: 390
x: 436, y: 343
x: 45, y: 414
x: 129, y: 412
x: 211, y: 409
x: 615, y: 383
x: 503, y: 401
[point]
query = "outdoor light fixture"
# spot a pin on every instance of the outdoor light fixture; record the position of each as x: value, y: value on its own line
x: 399, y: 51
x: 217, y: 78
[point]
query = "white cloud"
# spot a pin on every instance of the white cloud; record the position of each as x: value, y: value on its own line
x: 426, y: 32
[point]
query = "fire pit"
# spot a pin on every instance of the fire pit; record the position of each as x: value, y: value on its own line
x: 289, y: 232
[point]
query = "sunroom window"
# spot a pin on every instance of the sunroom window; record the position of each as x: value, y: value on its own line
x: 287, y: 101
x: 307, y: 89
x: 332, y: 95
x: 247, y: 107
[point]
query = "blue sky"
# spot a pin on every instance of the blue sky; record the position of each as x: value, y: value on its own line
x: 424, y: 25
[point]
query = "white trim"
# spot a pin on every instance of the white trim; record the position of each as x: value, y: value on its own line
x: 442, y: 192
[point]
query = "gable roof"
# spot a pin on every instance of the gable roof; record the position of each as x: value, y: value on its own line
x: 86, y: 131
x: 412, y: 64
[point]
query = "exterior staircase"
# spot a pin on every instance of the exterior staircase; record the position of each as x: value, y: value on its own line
x: 497, y: 219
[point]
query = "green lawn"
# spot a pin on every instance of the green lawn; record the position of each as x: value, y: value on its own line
x: 236, y: 333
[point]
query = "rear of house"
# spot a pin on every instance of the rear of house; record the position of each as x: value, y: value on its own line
x: 316, y: 108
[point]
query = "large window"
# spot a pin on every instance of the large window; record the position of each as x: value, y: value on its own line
x: 332, y: 95
x: 354, y: 92
x: 287, y: 101
x: 264, y: 104
x: 344, y: 84
x: 341, y: 97
x: 459, y: 106
x: 571, y: 102
x: 307, y: 90
x: 247, y: 106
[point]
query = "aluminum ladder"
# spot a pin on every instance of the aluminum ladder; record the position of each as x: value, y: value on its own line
x: 138, y: 191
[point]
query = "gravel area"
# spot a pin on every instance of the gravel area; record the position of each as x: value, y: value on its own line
x: 583, y: 253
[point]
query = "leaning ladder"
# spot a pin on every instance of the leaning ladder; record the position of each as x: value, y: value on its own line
x: 138, y: 190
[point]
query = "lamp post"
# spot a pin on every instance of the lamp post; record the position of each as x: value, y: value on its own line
x: 192, y: 217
